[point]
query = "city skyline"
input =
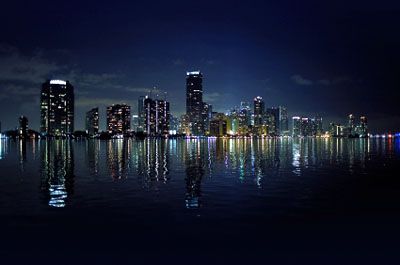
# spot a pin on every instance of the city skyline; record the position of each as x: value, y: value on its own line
x: 317, y: 60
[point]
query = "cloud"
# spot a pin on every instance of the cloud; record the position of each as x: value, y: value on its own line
x: 298, y: 79
x: 15, y: 66
x: 324, y: 82
x: 178, y: 62
x: 212, y: 97
x: 88, y: 102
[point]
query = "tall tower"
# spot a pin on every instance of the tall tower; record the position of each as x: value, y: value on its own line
x: 92, y: 121
x: 194, y: 101
x: 259, y: 107
x: 118, y: 118
x: 57, y: 108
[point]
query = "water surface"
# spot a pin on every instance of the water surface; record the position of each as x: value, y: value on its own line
x: 208, y: 201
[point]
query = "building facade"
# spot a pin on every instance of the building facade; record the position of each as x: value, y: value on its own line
x: 118, y: 118
x: 57, y: 108
x: 92, y: 121
x: 194, y: 102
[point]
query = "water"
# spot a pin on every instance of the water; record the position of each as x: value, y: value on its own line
x: 225, y: 201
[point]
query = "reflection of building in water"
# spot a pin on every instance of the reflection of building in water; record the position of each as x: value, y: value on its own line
x: 3, y: 148
x: 194, y: 160
x: 92, y: 156
x: 119, y: 157
x: 22, y: 154
x: 57, y: 171
x: 151, y: 161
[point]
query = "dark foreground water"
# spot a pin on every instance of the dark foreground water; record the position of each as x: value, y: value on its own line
x: 301, y: 201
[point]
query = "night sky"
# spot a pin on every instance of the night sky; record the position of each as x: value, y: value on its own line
x: 327, y: 58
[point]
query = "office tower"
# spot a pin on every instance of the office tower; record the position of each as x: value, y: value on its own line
x: 184, y: 125
x: 318, y: 129
x: 23, y: 127
x: 173, y: 124
x: 135, y: 122
x: 259, y: 107
x: 57, y: 108
x: 162, y: 117
x: 92, y: 121
x: 218, y: 125
x: 141, y: 114
x: 272, y: 120
x: 296, y: 126
x: 363, y: 127
x: 283, y: 121
x: 194, y: 102
x: 156, y: 115
x: 207, y: 114
x: 118, y: 118
x: 351, y: 125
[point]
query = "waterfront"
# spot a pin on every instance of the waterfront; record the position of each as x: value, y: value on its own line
x: 207, y: 201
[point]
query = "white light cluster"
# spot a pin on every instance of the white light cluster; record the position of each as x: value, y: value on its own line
x: 193, y: 73
x: 58, y: 82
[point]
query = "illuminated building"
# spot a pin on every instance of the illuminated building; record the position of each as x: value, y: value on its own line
x: 92, y: 121
x: 218, y: 125
x: 259, y: 107
x: 362, y: 128
x: 351, y: 125
x: 57, y: 108
x: 156, y: 116
x: 207, y: 115
x: 118, y: 118
x: 23, y: 127
x: 184, y: 125
x: 194, y: 102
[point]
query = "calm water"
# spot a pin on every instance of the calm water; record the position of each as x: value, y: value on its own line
x: 307, y: 201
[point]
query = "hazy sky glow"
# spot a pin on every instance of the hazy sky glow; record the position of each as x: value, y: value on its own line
x: 326, y: 58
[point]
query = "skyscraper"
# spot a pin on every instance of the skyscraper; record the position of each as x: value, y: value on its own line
x: 92, y: 121
x: 351, y: 125
x: 283, y: 121
x: 156, y: 115
x: 23, y: 127
x: 162, y: 116
x: 57, y: 108
x: 118, y: 118
x: 259, y: 108
x: 194, y: 102
x: 141, y: 114
x: 296, y: 126
x: 273, y: 120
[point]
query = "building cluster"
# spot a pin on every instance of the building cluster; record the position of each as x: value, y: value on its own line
x: 352, y: 129
x: 201, y: 120
x: 154, y: 119
x: 303, y: 126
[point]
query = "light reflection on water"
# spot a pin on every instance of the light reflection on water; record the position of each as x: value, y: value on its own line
x: 187, y: 164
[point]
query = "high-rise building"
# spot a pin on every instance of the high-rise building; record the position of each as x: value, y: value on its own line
x: 259, y: 108
x: 207, y: 115
x: 273, y: 120
x: 141, y: 114
x: 118, y: 118
x: 218, y: 125
x: 303, y: 126
x: 283, y: 121
x: 362, y: 128
x: 57, y: 108
x: 194, y: 102
x: 351, y: 125
x: 156, y: 115
x: 317, y: 123
x: 23, y: 127
x: 135, y: 122
x: 162, y: 117
x: 296, y: 126
x: 92, y: 121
